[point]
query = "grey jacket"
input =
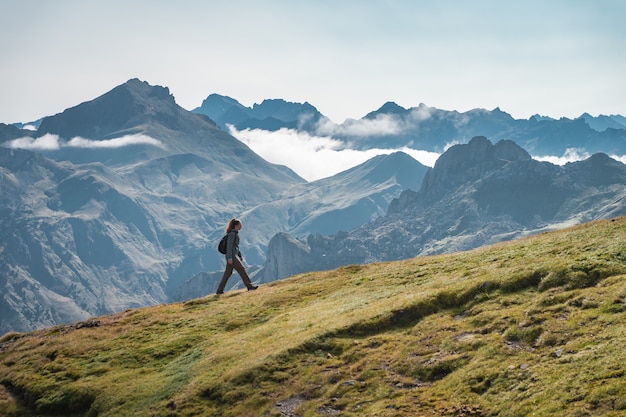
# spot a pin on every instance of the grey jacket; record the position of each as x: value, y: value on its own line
x: 232, y: 245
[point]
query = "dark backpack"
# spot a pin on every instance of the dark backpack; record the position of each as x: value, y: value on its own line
x: 221, y: 247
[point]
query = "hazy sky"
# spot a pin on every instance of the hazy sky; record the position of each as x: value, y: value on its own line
x: 347, y: 58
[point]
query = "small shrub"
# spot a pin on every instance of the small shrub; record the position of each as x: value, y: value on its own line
x: 583, y: 303
x: 616, y: 307
x: 522, y: 281
x: 573, y: 278
x: 554, y: 299
x: 71, y: 399
x: 10, y: 336
x: 480, y: 384
x: 214, y: 393
x: 432, y: 371
x: 582, y: 279
x: 547, y: 339
x: 526, y: 335
x: 553, y: 279
x: 350, y: 269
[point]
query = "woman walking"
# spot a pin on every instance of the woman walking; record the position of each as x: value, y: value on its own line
x: 233, y: 257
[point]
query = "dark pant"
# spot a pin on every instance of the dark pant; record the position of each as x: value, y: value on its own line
x: 237, y: 265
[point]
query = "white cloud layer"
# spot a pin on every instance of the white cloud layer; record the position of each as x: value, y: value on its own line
x: 314, y: 157
x: 382, y: 124
x: 574, y: 155
x: 51, y: 142
x: 621, y: 158
x: 570, y: 155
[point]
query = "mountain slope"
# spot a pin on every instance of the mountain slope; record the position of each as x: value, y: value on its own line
x: 347, y: 199
x: 74, y: 243
x: 530, y: 326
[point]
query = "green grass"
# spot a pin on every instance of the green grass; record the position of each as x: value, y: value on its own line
x: 531, y: 327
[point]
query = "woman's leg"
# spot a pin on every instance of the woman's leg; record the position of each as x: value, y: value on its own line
x: 242, y: 272
x: 227, y: 273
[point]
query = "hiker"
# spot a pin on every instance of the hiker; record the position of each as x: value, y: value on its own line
x: 234, y: 258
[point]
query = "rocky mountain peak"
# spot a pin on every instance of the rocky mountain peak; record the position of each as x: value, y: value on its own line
x: 143, y: 92
x: 388, y: 108
x: 270, y: 114
x: 282, y: 110
x: 508, y: 150
x: 216, y: 106
x: 124, y: 107
x: 465, y: 162
x: 599, y: 169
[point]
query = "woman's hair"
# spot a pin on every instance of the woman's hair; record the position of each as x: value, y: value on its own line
x: 232, y: 224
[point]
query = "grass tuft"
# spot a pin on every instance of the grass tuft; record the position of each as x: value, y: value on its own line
x: 10, y: 336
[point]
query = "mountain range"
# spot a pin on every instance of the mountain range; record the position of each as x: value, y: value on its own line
x: 426, y: 128
x: 119, y: 202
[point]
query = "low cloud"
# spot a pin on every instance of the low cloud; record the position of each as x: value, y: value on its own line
x: 381, y: 125
x: 46, y: 142
x: 574, y: 155
x: 621, y: 158
x: 314, y: 157
x: 51, y: 142
x: 120, y: 142
x: 570, y: 155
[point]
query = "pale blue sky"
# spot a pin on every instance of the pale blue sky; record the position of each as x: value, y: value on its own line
x: 556, y: 58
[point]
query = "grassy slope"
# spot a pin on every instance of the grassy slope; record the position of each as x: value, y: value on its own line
x: 531, y: 326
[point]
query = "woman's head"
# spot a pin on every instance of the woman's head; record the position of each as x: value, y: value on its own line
x: 233, y: 224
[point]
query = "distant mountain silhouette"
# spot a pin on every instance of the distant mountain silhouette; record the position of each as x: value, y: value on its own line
x: 432, y: 129
x: 270, y: 115
x: 10, y: 132
x: 602, y: 123
x: 429, y: 128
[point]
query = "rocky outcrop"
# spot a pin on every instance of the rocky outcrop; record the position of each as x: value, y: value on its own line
x: 288, y: 257
x: 469, y: 162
